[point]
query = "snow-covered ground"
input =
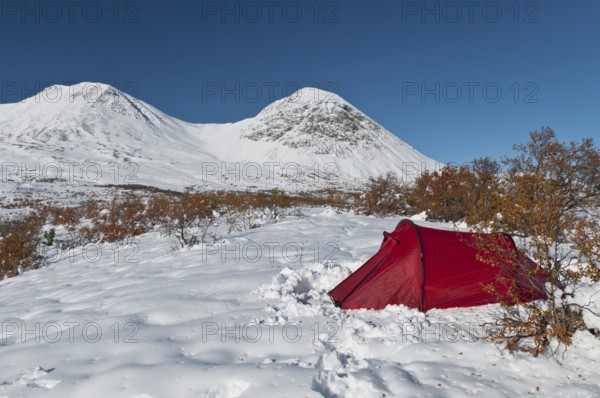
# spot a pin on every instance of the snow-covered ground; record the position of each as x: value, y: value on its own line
x: 251, y: 318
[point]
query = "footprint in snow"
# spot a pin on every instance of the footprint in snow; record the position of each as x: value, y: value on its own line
x: 36, y: 378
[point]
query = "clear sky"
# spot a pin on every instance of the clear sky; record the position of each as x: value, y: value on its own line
x: 456, y: 80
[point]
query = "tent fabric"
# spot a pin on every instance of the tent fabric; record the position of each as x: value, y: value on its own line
x: 427, y: 268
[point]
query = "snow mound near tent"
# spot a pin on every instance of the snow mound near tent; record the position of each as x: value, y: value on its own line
x: 304, y: 292
x: 296, y: 294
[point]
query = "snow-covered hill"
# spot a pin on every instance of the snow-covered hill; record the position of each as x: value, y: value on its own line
x: 312, y: 139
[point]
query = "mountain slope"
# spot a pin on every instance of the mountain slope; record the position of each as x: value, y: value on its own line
x: 63, y: 113
x: 326, y: 140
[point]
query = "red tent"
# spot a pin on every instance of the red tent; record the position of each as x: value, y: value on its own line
x: 429, y: 268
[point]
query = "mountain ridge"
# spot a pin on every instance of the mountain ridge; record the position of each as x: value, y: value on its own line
x: 95, y: 121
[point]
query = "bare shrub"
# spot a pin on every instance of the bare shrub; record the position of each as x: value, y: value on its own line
x: 124, y: 219
x: 385, y: 196
x: 470, y: 193
x: 442, y: 194
x: 68, y: 217
x: 273, y: 203
x: 188, y: 217
x: 19, y: 242
x: 551, y: 194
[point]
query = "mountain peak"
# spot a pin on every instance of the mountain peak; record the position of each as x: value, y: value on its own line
x: 317, y: 121
x: 313, y: 95
x: 304, y: 98
x: 86, y: 109
x: 58, y: 98
x: 84, y: 92
x: 84, y: 86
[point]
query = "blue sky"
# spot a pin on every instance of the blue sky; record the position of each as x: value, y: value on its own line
x: 457, y: 80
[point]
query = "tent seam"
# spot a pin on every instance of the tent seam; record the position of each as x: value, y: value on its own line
x: 416, y: 227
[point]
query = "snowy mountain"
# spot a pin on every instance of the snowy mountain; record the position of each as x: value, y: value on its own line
x: 320, y: 123
x: 311, y: 139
